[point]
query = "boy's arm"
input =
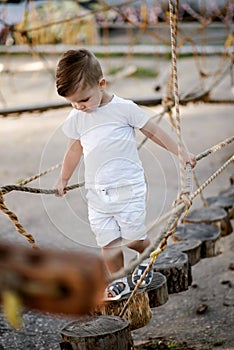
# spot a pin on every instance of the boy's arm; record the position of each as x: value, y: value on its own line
x: 159, y: 136
x: 70, y: 162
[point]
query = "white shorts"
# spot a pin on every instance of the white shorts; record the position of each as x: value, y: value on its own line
x: 117, y: 213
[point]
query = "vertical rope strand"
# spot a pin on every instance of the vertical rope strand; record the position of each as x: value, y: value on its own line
x: 205, y: 204
x: 15, y: 221
x: 176, y: 93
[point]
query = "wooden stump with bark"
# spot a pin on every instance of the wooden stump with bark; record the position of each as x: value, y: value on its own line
x: 208, y: 234
x: 157, y: 290
x: 210, y: 215
x: 191, y: 247
x: 174, y: 266
x: 138, y: 312
x: 53, y: 281
x: 97, y: 333
x: 227, y: 203
x: 228, y: 192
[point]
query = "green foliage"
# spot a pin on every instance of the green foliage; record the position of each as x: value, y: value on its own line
x: 141, y: 72
x: 164, y: 345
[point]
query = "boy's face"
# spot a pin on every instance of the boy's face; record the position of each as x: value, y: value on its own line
x: 88, y: 99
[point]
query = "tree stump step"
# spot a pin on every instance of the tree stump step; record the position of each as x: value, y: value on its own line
x: 191, y: 247
x: 228, y: 192
x: 157, y: 290
x: 227, y: 203
x: 138, y: 312
x: 97, y: 333
x: 221, y: 201
x: 174, y: 266
x: 208, y: 234
x: 210, y: 215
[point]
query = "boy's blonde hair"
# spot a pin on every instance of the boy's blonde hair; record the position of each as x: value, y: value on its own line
x: 77, y: 69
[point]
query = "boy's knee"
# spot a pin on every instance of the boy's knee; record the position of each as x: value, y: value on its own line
x: 139, y: 245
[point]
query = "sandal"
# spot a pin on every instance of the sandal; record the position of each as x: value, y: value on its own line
x: 138, y: 272
x: 116, y: 290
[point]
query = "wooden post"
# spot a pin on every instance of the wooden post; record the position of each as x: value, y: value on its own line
x: 97, y: 333
x: 53, y: 281
x: 210, y: 215
x: 207, y: 234
x: 191, y: 247
x: 174, y: 265
x: 157, y: 290
x: 229, y: 192
x: 138, y: 312
x: 227, y: 203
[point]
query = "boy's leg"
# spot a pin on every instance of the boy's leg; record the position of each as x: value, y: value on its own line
x: 113, y: 256
x: 114, y: 260
x: 140, y: 246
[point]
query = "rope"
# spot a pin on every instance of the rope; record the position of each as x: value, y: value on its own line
x: 30, y: 238
x: 9, y: 188
x: 215, y: 148
x: 170, y: 83
x: 205, y: 204
x: 35, y: 177
x: 211, y: 178
x: 176, y: 93
x: 15, y: 221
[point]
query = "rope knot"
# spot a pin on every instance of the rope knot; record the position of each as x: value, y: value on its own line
x: 184, y: 197
x: 154, y: 254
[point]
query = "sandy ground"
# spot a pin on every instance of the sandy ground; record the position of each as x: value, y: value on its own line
x: 33, y: 143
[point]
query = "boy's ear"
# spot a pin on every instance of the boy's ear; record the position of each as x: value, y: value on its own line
x: 102, y: 82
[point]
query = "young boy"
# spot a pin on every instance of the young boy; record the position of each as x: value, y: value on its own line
x: 101, y: 126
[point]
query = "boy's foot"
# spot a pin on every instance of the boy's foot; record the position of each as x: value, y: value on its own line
x: 138, y: 272
x: 116, y: 290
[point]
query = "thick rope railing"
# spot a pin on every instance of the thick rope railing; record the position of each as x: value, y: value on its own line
x: 15, y: 221
x: 176, y: 92
x: 37, y: 176
x: 207, y: 182
x: 6, y: 189
x: 215, y: 148
x: 195, y: 179
x: 159, y: 244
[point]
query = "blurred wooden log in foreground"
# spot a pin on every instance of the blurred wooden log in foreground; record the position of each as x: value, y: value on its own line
x: 97, y: 333
x: 53, y: 281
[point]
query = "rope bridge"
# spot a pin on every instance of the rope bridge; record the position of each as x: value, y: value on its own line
x: 22, y: 188
x: 181, y: 204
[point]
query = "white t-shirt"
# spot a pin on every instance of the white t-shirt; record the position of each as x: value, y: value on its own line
x: 108, y: 138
